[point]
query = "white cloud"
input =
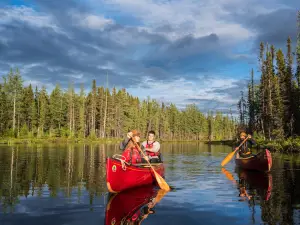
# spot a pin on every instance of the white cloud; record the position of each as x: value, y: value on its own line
x: 27, y: 15
x: 97, y: 22
x: 186, y: 17
x: 180, y: 90
x: 35, y: 83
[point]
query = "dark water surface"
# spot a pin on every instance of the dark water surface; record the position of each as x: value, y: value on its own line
x: 65, y: 184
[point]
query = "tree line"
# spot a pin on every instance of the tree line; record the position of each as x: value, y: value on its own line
x: 272, y: 107
x: 30, y: 112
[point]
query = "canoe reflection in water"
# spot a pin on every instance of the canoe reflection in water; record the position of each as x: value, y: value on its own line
x: 131, y: 207
x: 258, y: 183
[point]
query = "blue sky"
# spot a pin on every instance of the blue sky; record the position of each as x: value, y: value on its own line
x: 183, y: 52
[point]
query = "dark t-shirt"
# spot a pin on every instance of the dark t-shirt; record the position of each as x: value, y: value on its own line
x: 246, y: 146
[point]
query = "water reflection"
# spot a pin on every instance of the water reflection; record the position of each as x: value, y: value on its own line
x: 39, y: 181
x: 51, y: 170
x: 133, y: 206
x: 258, y: 183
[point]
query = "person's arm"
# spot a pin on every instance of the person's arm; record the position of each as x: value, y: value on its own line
x: 251, y: 140
x: 124, y: 143
x: 143, y: 145
x: 236, y: 145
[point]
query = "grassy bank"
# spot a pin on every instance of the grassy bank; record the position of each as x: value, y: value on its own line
x: 57, y: 140
x: 62, y: 140
x: 221, y: 142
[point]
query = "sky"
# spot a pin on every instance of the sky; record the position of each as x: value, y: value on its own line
x: 184, y: 52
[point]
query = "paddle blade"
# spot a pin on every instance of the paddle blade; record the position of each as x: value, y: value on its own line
x: 161, y: 182
x: 228, y: 175
x: 160, y: 194
x: 228, y: 158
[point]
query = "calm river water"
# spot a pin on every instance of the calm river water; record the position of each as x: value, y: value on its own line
x: 65, y: 184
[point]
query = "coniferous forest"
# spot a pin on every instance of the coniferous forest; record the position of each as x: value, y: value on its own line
x: 30, y: 112
x: 272, y: 109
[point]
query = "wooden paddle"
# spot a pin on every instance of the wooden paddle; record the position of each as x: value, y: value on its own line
x: 231, y: 154
x: 161, y: 182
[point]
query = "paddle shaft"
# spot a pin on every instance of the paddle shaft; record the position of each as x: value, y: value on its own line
x: 242, y: 143
x: 161, y: 182
x: 231, y: 154
x: 142, y: 153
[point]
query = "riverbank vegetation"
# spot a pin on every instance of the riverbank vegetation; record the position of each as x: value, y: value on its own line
x: 271, y: 110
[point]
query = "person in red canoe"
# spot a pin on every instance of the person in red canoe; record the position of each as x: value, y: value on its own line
x: 245, y: 149
x: 152, y: 148
x: 130, y: 151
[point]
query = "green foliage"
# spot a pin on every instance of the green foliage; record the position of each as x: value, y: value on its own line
x: 102, y: 113
x: 274, y: 108
x: 24, y: 131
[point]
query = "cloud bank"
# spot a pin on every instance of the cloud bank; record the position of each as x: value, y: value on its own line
x: 175, y: 51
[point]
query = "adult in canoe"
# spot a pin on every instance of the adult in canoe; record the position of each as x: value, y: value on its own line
x: 130, y: 152
x: 152, y: 148
x: 245, y: 149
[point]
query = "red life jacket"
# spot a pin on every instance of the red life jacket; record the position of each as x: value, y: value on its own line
x: 132, y: 155
x: 148, y: 145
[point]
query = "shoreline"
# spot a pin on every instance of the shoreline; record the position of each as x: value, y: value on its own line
x: 287, y: 145
x: 284, y: 146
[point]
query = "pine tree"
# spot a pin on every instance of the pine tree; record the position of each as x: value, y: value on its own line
x: 13, y: 88
x: 298, y: 52
x: 262, y: 105
x: 287, y: 100
x: 71, y: 110
x: 4, y: 112
x: 56, y: 109
x: 242, y: 107
x: 43, y: 108
x: 251, y: 103
x: 297, y: 75
x: 82, y: 112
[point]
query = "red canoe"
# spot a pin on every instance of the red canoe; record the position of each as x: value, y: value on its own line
x: 261, y: 161
x: 121, y: 176
x: 130, y: 205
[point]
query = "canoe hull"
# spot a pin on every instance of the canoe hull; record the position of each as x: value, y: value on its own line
x: 260, y: 162
x: 120, y: 178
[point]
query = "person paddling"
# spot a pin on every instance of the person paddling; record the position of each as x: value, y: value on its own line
x: 152, y: 148
x: 130, y: 151
x: 245, y: 149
